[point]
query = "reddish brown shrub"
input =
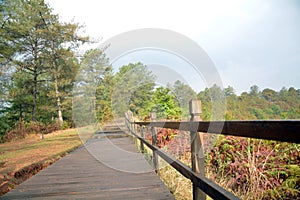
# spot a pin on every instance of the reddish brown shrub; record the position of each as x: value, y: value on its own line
x: 18, y: 132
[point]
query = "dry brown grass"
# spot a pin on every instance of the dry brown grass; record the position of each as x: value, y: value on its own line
x: 19, y: 154
x: 180, y: 186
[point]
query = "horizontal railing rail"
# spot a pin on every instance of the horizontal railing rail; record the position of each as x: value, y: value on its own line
x: 278, y: 130
x: 284, y: 131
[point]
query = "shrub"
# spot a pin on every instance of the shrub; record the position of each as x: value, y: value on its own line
x: 256, y: 169
x: 65, y: 125
x: 18, y: 132
x: 21, y: 129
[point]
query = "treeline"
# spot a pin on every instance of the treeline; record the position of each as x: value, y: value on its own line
x: 255, y: 104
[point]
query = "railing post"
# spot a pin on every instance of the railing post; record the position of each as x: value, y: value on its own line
x: 142, y: 136
x: 135, y: 128
x: 130, y: 118
x: 126, y: 119
x: 154, y: 157
x: 197, y: 154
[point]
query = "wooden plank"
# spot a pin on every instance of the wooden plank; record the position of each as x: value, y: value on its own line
x: 80, y: 175
x: 279, y: 130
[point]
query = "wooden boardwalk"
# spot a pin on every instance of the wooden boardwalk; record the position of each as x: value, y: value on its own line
x: 107, y: 168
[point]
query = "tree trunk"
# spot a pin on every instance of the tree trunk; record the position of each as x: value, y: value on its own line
x: 58, y: 103
x: 34, y: 94
x: 35, y: 77
x: 60, y: 116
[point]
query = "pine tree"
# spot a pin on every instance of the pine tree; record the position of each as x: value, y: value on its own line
x: 93, y: 89
x: 165, y: 105
x: 183, y: 94
x: 36, y: 43
x: 133, y: 90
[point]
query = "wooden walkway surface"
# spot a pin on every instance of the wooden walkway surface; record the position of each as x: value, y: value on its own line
x: 103, y: 169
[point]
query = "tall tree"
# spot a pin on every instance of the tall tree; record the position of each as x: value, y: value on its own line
x: 254, y: 91
x: 165, y: 104
x: 183, y: 94
x: 93, y: 88
x: 35, y: 36
x: 28, y: 40
x: 63, y: 78
x: 133, y: 90
x: 213, y: 103
x: 63, y: 38
x: 269, y: 94
x: 229, y: 91
x: 103, y: 96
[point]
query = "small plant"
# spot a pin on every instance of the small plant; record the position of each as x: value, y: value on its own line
x: 255, y: 169
x: 65, y: 125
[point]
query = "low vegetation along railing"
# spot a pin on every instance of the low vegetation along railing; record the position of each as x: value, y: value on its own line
x: 279, y: 130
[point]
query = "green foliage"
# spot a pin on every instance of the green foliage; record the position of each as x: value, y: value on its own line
x: 269, y: 94
x: 36, y: 52
x: 267, y: 104
x: 255, y: 169
x: 133, y: 90
x: 213, y: 103
x: 93, y: 89
x: 254, y: 91
x: 65, y: 125
x: 183, y: 93
x: 26, y: 34
x: 164, y: 104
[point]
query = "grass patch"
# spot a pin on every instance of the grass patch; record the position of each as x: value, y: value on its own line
x: 179, y: 186
x: 34, y: 153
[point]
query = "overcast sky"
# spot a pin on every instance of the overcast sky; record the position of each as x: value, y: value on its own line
x: 250, y: 42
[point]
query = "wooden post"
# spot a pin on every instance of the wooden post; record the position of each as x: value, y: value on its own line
x: 126, y: 120
x: 154, y: 157
x: 197, y: 148
x: 130, y: 118
x: 142, y: 136
x: 135, y: 128
x: 135, y: 131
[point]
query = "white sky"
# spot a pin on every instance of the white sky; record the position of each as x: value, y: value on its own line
x: 250, y: 41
